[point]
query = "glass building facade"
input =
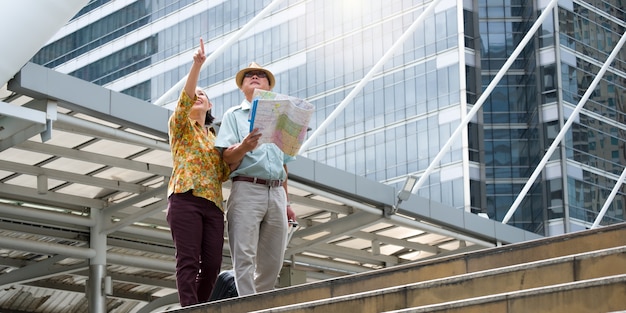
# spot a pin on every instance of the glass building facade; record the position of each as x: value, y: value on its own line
x: 396, y: 125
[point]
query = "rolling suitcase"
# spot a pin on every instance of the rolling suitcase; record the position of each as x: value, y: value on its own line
x: 224, y: 286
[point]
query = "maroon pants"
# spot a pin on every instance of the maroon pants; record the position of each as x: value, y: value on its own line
x: 197, y: 227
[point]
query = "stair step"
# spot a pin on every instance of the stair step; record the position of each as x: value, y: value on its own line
x: 480, y: 260
x: 556, y: 271
x: 606, y: 294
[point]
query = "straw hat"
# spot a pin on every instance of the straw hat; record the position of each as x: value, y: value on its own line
x: 254, y: 67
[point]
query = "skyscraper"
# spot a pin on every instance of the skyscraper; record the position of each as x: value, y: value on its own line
x: 401, y: 115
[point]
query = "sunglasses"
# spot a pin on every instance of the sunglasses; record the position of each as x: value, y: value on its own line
x: 258, y: 74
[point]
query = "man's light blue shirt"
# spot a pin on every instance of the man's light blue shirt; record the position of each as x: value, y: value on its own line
x: 266, y: 161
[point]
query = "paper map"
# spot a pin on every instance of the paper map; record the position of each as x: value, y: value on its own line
x: 281, y: 119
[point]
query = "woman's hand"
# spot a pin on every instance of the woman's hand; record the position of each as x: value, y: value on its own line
x: 194, y: 72
x: 199, y: 57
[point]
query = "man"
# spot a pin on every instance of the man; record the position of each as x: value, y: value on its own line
x: 257, y: 208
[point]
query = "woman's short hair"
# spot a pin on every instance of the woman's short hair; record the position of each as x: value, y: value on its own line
x: 208, y: 120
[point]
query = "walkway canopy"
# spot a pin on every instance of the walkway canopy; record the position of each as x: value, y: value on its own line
x: 78, y: 161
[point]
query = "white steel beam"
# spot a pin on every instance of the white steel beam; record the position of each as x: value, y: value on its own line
x: 46, y: 248
x: 23, y: 113
x: 73, y: 177
x: 332, y: 230
x: 19, y: 123
x: 368, y: 77
x: 608, y: 201
x: 24, y: 212
x: 395, y: 219
x: 211, y: 58
x: 154, y: 192
x: 140, y: 215
x: 565, y: 129
x: 40, y: 270
x: 486, y: 93
x: 98, y: 158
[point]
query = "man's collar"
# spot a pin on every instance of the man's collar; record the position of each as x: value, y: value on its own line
x: 245, y: 105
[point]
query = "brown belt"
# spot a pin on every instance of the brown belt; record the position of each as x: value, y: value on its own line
x: 266, y: 182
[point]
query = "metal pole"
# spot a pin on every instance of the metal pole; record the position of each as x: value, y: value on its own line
x: 559, y: 137
x: 45, y: 248
x: 561, y: 119
x: 485, y: 94
x: 220, y: 50
x: 79, y: 126
x: 32, y: 213
x: 369, y: 75
x: 96, y: 293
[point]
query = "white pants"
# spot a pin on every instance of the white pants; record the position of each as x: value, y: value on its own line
x: 257, y: 235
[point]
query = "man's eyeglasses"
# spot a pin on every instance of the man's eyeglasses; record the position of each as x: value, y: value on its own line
x: 258, y: 74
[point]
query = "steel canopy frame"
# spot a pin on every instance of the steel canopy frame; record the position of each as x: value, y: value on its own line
x: 352, y: 193
x: 363, y: 202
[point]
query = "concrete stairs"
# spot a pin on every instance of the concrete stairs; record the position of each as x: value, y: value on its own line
x: 577, y: 272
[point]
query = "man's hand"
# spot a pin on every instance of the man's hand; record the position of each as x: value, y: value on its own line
x: 251, y: 141
x: 291, y: 215
x: 235, y: 153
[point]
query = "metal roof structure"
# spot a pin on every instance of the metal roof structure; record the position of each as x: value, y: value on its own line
x: 83, y: 178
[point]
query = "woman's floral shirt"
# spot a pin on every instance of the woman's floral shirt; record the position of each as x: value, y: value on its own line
x: 197, y: 164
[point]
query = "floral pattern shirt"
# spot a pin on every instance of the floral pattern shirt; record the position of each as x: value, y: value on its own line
x: 197, y: 164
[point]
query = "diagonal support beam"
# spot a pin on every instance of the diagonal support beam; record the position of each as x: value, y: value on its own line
x: 470, y: 115
x: 87, y: 156
x: 368, y: 77
x: 155, y: 192
x: 565, y: 129
x: 211, y: 58
x: 607, y: 204
x: 140, y: 215
x: 361, y: 256
x: 51, y: 198
x: 335, y: 229
x: 72, y: 177
x: 40, y: 270
x: 397, y: 242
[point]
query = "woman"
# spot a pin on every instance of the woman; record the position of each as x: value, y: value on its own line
x: 195, y: 214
